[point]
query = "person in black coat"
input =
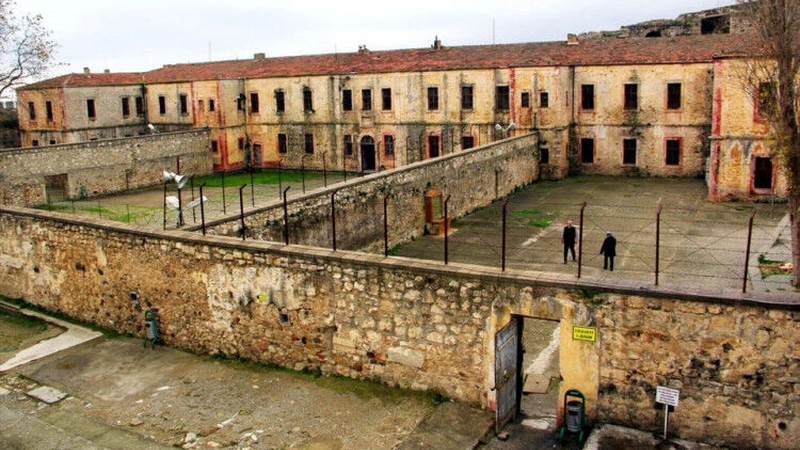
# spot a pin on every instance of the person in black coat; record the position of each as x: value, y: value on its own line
x: 568, y: 239
x: 609, y: 251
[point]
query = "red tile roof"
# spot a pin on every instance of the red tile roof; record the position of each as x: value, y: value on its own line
x: 611, y: 51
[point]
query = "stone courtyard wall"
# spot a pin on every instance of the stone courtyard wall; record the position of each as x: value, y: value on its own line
x: 474, y: 178
x: 100, y: 167
x: 419, y: 324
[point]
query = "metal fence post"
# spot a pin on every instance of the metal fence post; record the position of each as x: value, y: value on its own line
x: 333, y: 219
x: 303, y: 171
x: 241, y: 207
x: 202, y: 211
x: 580, y: 240
x: 386, y: 225
x: 446, y: 247
x: 180, y: 197
x: 191, y: 184
x: 503, y: 256
x: 99, y: 210
x: 344, y: 163
x: 128, y: 211
x: 286, y: 217
x: 747, y: 253
x: 324, y: 170
x: 224, y: 207
x: 252, y: 188
x: 658, y: 237
x: 165, y: 206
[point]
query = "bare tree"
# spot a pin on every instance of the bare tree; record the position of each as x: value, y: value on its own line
x: 26, y: 47
x: 773, y: 82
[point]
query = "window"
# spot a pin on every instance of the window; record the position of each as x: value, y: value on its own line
x: 308, y: 104
x: 35, y: 143
x: 466, y: 97
x: 139, y: 101
x: 31, y: 111
x: 347, y: 100
x: 762, y: 173
x: 90, y: 111
x: 162, y: 105
x: 673, y: 157
x: 674, y: 96
x: 348, y: 144
x: 631, y: 96
x: 241, y: 143
x: 254, y: 102
x: 48, y: 107
x: 201, y: 106
x: 240, y: 102
x: 52, y: 142
x: 184, y: 103
x: 525, y: 100
x: 433, y: 98
x: 544, y: 156
x: 388, y: 145
x: 433, y: 146
x: 366, y: 99
x: 587, y: 150
x: 214, y: 146
x: 544, y: 100
x: 765, y: 104
x: 309, y: 143
x: 211, y: 104
x: 126, y: 107
x: 587, y: 96
x: 467, y: 142
x: 629, y: 151
x: 501, y: 98
x: 280, y: 101
x: 386, y: 99
x: 283, y: 144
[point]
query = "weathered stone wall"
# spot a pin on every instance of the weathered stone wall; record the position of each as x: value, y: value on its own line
x: 419, y: 324
x: 100, y: 167
x: 473, y: 178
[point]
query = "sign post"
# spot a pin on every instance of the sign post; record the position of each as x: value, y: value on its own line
x: 667, y: 397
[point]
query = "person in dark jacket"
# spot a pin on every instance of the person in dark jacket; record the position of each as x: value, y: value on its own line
x: 568, y: 239
x: 609, y: 251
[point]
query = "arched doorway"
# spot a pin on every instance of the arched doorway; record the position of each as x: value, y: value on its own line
x: 367, y: 154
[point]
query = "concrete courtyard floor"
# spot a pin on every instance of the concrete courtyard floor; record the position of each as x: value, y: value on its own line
x: 702, y: 244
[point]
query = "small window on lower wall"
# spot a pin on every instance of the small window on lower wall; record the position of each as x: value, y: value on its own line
x: 629, y: 151
x: 587, y: 150
x: 35, y: 143
x: 673, y: 156
x: 309, y: 143
x: 283, y: 145
x: 544, y: 156
x: 467, y: 142
x: 348, y: 144
x: 214, y: 147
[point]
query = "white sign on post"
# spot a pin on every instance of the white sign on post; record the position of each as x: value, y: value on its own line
x: 667, y: 397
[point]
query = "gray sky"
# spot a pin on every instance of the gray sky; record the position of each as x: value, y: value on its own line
x: 124, y: 35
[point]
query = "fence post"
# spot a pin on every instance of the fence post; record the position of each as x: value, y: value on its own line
x: 324, y: 170
x: 165, y: 206
x: 73, y: 206
x: 128, y: 210
x: 99, y: 210
x: 747, y: 253
x: 280, y: 181
x: 202, y: 211
x: 252, y: 187
x: 580, y: 240
x: 333, y: 218
x: 503, y: 256
x: 344, y: 163
x: 241, y: 207
x: 286, y: 217
x: 386, y: 225
x: 446, y: 247
x: 180, y: 198
x: 658, y: 236
x: 303, y: 171
x: 224, y: 207
x: 191, y: 184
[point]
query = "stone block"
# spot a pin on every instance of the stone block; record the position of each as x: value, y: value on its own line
x: 407, y: 356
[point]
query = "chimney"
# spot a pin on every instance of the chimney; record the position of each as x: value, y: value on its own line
x: 259, y: 56
x: 437, y: 44
x: 106, y: 70
x: 572, y: 39
x: 86, y: 71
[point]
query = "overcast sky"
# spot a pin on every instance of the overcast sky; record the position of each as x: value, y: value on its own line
x: 124, y: 35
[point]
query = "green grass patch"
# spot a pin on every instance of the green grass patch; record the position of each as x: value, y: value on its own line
x: 527, y: 212
x: 265, y: 177
x: 394, y: 251
x: 22, y: 321
x: 21, y: 303
x: 771, y: 268
x: 115, y: 213
x: 540, y: 223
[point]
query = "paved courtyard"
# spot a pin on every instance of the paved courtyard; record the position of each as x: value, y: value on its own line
x: 702, y: 244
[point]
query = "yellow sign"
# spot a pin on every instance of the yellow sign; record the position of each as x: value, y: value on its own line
x: 261, y: 298
x: 588, y: 334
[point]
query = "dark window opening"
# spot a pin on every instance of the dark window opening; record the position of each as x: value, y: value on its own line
x: 348, y: 144
x: 467, y: 142
x: 309, y: 143
x: 241, y: 143
x: 674, y: 96
x: 90, y: 111
x: 544, y: 156
x: 433, y: 98
x: 631, y: 96
x: 35, y: 143
x: 211, y: 104
x: 386, y: 99
x: 48, y: 106
x: 214, y: 146
x: 433, y: 146
x: 254, y: 102
x: 126, y: 107
x: 162, y: 105
x: 280, y: 101
x: 629, y: 151
x: 366, y: 99
x: 544, y: 100
x: 347, y: 100
x: 53, y: 141
x: 763, y: 173
x: 654, y: 33
x: 715, y: 25
x: 587, y: 96
x: 283, y: 144
x: 308, y: 104
x: 673, y: 152
x: 388, y: 145
x: 139, y: 101
x: 31, y: 111
x: 587, y: 150
x: 184, y: 102
x: 525, y: 100
x: 466, y: 97
x: 501, y: 100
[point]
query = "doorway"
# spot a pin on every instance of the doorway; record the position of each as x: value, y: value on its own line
x: 367, y: 154
x: 762, y: 173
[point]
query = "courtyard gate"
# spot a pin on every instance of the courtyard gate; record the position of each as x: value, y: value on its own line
x: 505, y: 372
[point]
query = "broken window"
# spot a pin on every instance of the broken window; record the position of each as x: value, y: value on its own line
x: 308, y: 104
x: 309, y: 143
x: 48, y: 107
x: 544, y: 100
x: 280, y: 101
x: 674, y: 96
x: 587, y: 96
x: 673, y: 157
x: 184, y: 104
x: 433, y: 98
x: 347, y: 100
x: 366, y: 99
x: 254, y: 102
x: 433, y: 146
x: 501, y: 98
x: 283, y: 144
x: 31, y: 111
x: 162, y: 105
x: 467, y: 142
x: 762, y: 173
x: 388, y: 145
x: 90, y: 111
x: 348, y: 144
x: 386, y: 99
x: 126, y: 107
x: 525, y: 100
x: 139, y: 101
x: 544, y: 156
x: 629, y: 151
x: 211, y: 104
x: 466, y: 97
x: 587, y: 150
x: 631, y: 96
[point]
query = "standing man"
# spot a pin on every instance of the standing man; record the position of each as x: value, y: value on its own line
x: 609, y: 251
x: 568, y: 239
